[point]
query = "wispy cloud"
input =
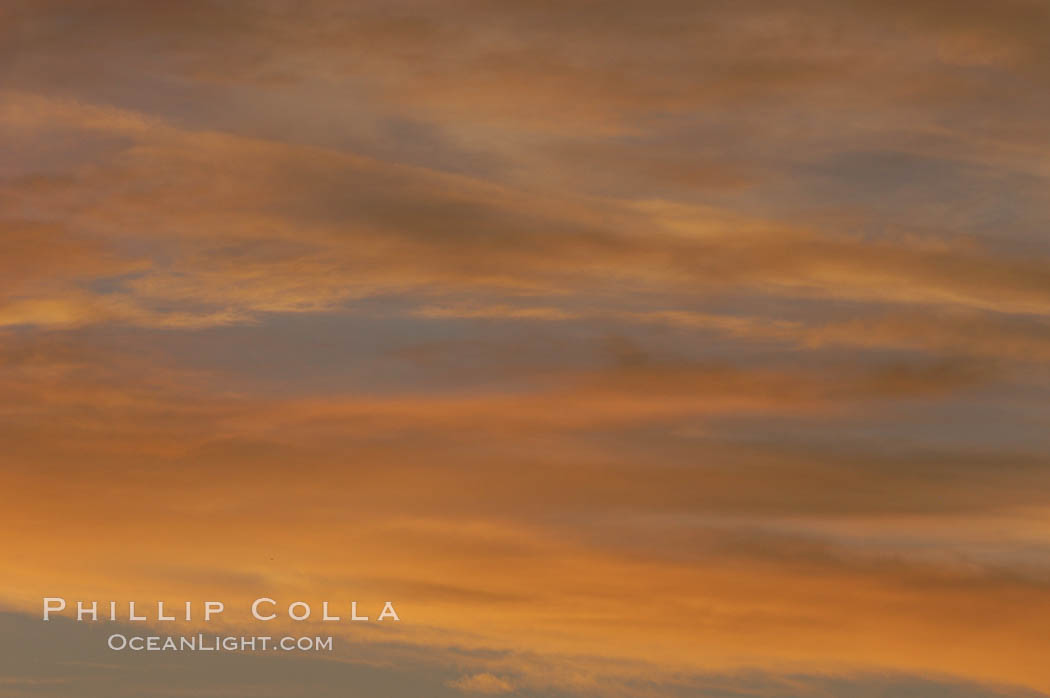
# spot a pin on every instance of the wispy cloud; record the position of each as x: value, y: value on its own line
x: 640, y: 350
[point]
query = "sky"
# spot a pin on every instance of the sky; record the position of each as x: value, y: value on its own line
x: 634, y: 350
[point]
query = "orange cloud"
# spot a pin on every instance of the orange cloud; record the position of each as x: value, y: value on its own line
x: 620, y: 345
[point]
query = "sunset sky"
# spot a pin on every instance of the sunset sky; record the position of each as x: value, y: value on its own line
x: 665, y: 349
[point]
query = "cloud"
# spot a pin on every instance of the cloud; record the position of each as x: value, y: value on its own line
x: 482, y: 683
x: 621, y: 343
x: 310, y: 231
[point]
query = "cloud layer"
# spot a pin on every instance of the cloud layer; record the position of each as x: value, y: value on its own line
x: 644, y: 350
